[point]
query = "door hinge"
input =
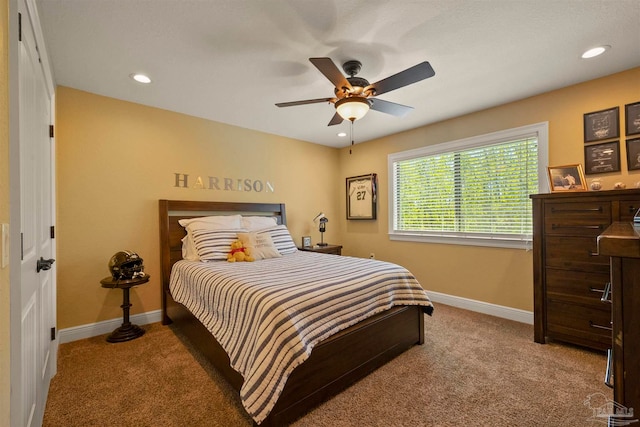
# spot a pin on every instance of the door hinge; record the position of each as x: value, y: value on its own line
x: 50, y: 131
x: 53, y: 333
x: 21, y: 246
x: 52, y: 231
x: 19, y: 26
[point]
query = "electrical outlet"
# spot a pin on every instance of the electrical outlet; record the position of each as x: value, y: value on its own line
x: 372, y: 255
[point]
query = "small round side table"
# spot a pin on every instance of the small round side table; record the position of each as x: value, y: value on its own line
x: 127, y: 331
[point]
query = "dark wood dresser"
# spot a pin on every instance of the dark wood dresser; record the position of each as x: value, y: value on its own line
x: 621, y: 242
x: 569, y: 275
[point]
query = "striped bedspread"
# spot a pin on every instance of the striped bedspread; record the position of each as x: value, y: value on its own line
x: 268, y: 315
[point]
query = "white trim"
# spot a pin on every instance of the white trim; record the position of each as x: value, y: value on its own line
x: 502, y: 311
x: 106, y: 327
x: 491, y: 242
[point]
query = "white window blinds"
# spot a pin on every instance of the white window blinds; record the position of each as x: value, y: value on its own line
x: 475, y: 191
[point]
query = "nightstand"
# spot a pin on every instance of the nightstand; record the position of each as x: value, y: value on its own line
x: 328, y: 249
x: 127, y: 331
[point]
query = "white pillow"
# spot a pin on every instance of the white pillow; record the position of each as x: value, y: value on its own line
x: 227, y: 222
x: 254, y: 223
x: 213, y: 245
x: 212, y: 223
x: 281, y: 239
x: 189, y: 251
x: 260, y: 245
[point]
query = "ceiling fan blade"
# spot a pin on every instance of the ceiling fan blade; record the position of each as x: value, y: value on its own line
x: 403, y: 78
x: 330, y: 71
x: 392, y: 108
x: 307, y: 101
x: 336, y: 119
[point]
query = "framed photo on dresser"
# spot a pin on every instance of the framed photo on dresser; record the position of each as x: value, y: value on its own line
x: 566, y: 178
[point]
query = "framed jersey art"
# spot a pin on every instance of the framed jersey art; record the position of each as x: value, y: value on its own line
x: 361, y: 197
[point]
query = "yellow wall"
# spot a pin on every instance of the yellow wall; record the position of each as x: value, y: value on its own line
x: 5, y: 357
x: 116, y: 159
x: 498, y: 276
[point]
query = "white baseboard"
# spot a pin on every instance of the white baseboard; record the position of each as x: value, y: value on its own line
x: 94, y: 329
x: 105, y: 327
x: 516, y: 314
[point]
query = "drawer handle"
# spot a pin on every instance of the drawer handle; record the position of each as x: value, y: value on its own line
x: 598, y: 209
x: 606, y: 293
x: 595, y: 325
x: 608, y: 376
x: 632, y: 210
x: 592, y: 289
x: 588, y: 227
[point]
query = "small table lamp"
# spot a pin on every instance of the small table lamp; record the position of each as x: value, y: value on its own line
x: 321, y: 220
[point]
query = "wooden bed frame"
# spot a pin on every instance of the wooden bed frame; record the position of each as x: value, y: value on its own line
x: 334, y: 364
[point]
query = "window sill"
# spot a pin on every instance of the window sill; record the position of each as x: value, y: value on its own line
x: 486, y: 241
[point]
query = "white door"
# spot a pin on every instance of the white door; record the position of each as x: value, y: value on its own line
x: 37, y: 274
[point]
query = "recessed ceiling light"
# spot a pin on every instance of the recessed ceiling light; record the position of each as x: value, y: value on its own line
x: 342, y: 134
x: 591, y: 53
x: 141, y: 78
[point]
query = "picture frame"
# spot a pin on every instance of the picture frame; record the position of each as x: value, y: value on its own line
x: 306, y: 241
x: 633, y: 154
x: 632, y: 119
x: 566, y: 178
x: 603, y: 124
x: 602, y: 158
x: 361, y: 196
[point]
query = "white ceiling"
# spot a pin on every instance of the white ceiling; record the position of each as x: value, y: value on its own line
x: 232, y: 60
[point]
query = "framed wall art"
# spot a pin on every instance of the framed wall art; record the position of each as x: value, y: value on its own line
x: 632, y: 119
x: 566, y: 178
x: 633, y: 154
x: 361, y: 196
x: 603, y: 124
x: 602, y: 158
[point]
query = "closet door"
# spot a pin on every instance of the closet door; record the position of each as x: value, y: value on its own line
x: 37, y: 278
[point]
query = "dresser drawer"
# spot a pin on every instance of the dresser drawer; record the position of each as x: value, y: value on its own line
x: 579, y: 324
x: 575, y: 253
x: 568, y: 285
x: 577, y: 219
x: 628, y: 209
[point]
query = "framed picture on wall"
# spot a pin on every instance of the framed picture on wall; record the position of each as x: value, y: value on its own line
x: 602, y: 158
x: 566, y: 178
x: 361, y: 196
x: 632, y: 118
x: 603, y: 124
x: 633, y: 154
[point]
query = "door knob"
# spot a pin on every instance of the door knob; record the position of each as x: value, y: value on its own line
x: 44, y: 264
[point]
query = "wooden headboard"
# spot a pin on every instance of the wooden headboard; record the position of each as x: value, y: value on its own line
x: 171, y: 232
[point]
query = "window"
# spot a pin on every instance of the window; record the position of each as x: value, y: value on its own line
x: 473, y: 191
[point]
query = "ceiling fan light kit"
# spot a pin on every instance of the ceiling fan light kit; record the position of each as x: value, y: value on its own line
x: 353, y: 108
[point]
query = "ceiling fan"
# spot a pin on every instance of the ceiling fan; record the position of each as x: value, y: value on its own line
x: 354, y: 96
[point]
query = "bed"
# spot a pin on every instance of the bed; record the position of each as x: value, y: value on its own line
x: 334, y: 363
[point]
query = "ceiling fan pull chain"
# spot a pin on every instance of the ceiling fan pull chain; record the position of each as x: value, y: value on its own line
x: 351, y: 136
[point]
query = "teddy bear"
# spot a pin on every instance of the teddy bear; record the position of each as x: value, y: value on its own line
x: 239, y: 253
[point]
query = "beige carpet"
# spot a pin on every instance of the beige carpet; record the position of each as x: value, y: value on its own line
x: 473, y: 370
